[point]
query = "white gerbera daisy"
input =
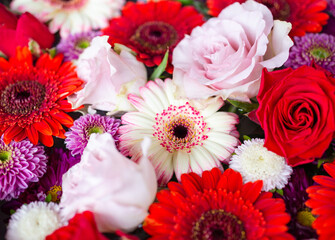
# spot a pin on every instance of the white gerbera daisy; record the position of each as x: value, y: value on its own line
x: 187, y: 135
x: 71, y: 16
x: 255, y: 162
x: 34, y: 221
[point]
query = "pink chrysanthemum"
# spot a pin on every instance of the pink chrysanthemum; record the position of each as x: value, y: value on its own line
x: 187, y: 136
x: 20, y: 164
x: 77, y: 138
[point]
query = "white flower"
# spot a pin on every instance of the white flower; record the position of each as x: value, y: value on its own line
x: 71, y: 16
x: 255, y: 162
x: 187, y: 136
x: 109, y: 77
x: 117, y: 190
x: 34, y: 221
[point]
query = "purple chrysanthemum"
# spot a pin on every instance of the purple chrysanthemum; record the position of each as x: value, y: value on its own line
x: 331, y: 7
x: 20, y: 163
x: 319, y: 48
x: 51, y: 183
x: 77, y: 138
x: 295, y: 196
x: 75, y: 44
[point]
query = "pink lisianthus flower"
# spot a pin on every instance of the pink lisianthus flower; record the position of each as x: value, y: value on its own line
x: 109, y: 77
x: 226, y: 55
x: 117, y: 190
x: 19, y: 31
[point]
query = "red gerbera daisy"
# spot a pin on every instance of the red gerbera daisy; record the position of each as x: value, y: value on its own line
x: 33, y: 97
x: 216, y: 206
x: 151, y: 28
x: 304, y: 15
x: 322, y: 203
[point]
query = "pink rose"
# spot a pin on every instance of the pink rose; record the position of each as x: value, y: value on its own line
x: 117, y: 190
x: 108, y: 76
x: 226, y: 55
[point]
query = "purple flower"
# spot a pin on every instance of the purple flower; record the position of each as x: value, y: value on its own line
x: 77, y: 138
x: 319, y: 48
x: 75, y: 44
x: 331, y: 7
x: 20, y: 163
x: 51, y: 182
x: 295, y: 196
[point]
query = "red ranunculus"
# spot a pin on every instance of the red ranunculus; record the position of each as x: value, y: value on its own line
x: 296, y: 111
x: 17, y: 32
x: 81, y: 227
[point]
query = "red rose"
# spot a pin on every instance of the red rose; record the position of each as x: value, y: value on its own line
x: 297, y: 112
x: 17, y: 32
x: 81, y: 227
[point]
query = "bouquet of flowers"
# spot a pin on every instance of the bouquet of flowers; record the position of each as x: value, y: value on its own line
x: 170, y: 119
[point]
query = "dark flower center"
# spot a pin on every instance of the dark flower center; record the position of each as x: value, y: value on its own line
x: 280, y: 9
x: 154, y: 37
x: 180, y: 131
x: 217, y: 224
x: 22, y: 97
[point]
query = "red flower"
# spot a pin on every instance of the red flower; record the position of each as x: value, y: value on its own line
x: 322, y: 203
x: 17, y: 32
x: 216, y: 205
x: 304, y: 15
x: 81, y: 227
x: 151, y: 28
x: 296, y: 111
x: 33, y: 97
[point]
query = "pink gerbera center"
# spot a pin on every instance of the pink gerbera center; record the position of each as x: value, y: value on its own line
x: 180, y: 127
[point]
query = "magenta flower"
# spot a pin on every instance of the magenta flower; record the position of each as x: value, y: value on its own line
x: 20, y: 164
x: 77, y: 138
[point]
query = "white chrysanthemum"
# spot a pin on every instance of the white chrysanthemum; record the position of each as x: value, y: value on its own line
x: 34, y: 221
x: 71, y: 16
x: 255, y: 162
x: 187, y: 135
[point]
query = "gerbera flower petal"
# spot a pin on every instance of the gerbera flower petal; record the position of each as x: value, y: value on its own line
x: 202, y: 208
x: 153, y: 27
x: 30, y: 97
x: 179, y: 131
x: 71, y: 17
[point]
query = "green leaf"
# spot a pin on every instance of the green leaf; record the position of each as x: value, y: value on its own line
x: 12, y: 211
x: 245, y: 106
x: 48, y: 198
x: 161, y: 68
x: 186, y: 2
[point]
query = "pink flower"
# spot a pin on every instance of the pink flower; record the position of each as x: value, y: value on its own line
x: 18, y: 32
x: 225, y: 56
x: 109, y: 77
x: 117, y: 190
